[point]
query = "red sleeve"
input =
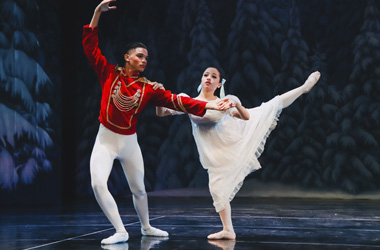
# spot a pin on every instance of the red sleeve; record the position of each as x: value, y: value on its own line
x: 93, y: 53
x: 165, y: 98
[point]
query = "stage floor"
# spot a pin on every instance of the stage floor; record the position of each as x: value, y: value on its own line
x: 264, y: 223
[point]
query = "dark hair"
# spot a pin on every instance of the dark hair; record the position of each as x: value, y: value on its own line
x: 134, y: 45
x: 127, y: 49
x: 219, y: 69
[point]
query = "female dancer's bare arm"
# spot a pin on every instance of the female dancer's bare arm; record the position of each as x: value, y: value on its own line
x: 241, y: 112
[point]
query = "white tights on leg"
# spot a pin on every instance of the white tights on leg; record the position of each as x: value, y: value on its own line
x: 100, y: 169
x: 108, y: 147
x: 135, y: 177
x: 290, y: 96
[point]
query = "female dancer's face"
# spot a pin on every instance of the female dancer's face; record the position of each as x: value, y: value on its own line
x: 211, y: 80
x: 136, y: 60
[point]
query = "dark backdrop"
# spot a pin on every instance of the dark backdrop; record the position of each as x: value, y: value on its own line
x: 50, y: 95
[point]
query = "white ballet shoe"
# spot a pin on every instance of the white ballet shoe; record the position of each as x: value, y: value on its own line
x: 222, y: 235
x: 116, y: 238
x: 311, y: 81
x: 152, y: 231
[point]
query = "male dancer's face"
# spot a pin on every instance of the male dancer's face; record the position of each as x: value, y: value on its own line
x: 137, y: 59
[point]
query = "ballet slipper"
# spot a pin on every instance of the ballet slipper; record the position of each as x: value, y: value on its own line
x: 152, y: 231
x: 116, y: 238
x: 226, y: 235
x: 311, y: 81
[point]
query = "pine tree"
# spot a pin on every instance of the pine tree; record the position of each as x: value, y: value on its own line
x: 317, y: 123
x: 250, y: 72
x: 25, y: 120
x: 352, y: 158
x: 333, y: 25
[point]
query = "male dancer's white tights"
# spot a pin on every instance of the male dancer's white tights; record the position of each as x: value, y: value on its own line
x: 125, y: 148
x: 108, y: 147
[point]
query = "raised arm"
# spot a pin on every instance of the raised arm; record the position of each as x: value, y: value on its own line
x: 102, y: 7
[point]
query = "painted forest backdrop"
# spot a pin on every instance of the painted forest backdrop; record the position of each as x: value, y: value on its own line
x: 50, y: 96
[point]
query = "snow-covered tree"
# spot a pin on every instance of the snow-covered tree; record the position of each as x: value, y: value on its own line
x: 25, y: 112
x: 352, y: 159
x: 250, y: 70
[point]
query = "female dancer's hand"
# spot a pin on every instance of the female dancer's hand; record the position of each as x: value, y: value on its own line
x: 105, y: 6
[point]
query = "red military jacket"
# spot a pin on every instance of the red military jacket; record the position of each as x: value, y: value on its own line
x: 123, y: 97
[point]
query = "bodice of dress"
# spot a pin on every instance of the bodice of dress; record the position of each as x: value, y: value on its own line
x: 211, y: 117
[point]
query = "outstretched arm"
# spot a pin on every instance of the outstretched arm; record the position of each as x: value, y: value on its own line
x: 102, y: 7
x: 221, y: 105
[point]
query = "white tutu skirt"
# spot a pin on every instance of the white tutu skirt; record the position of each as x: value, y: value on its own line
x: 229, y: 147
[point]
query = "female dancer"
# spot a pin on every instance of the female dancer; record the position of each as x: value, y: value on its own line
x: 230, y: 142
x: 124, y: 95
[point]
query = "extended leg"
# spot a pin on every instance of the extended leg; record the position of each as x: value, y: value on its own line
x: 290, y: 96
x: 133, y: 167
x: 100, y: 169
x: 228, y: 232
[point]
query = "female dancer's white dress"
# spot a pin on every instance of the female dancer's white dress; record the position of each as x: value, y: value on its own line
x: 229, y: 147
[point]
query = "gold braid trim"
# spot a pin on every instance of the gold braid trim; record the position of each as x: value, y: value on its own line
x: 175, y: 107
x: 118, y: 69
x: 144, y: 80
x: 179, y: 100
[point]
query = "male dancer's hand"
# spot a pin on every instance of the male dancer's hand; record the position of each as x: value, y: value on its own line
x: 102, y: 7
x: 220, y: 105
x: 157, y: 85
x: 105, y: 6
x: 225, y: 104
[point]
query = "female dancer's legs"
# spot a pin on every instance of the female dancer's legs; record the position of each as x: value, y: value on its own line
x: 228, y: 232
x: 290, y: 96
x: 287, y: 99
